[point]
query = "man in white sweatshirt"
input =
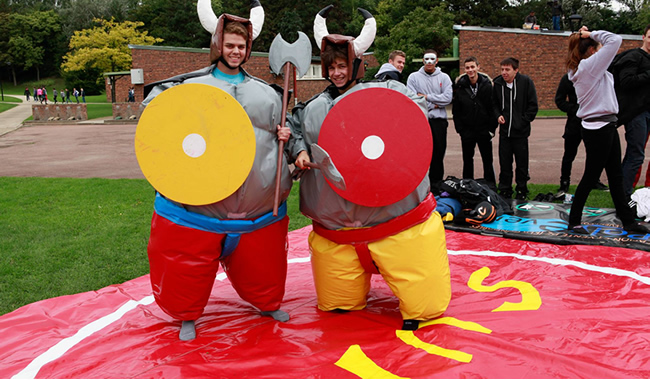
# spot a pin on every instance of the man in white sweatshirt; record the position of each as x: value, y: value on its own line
x: 436, y: 87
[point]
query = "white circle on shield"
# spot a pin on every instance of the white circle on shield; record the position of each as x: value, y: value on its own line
x: 194, y: 145
x: 372, y: 147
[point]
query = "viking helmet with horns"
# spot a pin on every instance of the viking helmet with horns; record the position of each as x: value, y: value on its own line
x: 215, y: 26
x: 355, y: 46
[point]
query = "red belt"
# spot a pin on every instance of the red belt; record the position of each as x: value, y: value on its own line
x: 360, y: 237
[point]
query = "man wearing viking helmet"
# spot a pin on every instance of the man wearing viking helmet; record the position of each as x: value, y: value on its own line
x: 188, y: 243
x: 404, y: 241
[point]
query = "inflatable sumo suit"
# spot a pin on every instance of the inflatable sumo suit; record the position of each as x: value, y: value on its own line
x: 404, y: 241
x: 187, y: 243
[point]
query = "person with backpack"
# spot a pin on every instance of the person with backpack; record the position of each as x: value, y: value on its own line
x: 631, y: 71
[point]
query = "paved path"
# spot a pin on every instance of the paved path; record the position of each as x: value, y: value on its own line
x: 86, y: 150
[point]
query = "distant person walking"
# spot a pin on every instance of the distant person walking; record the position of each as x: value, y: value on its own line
x: 75, y: 93
x: 55, y: 94
x: 67, y: 96
x: 27, y: 93
x: 83, y: 95
x: 35, y: 97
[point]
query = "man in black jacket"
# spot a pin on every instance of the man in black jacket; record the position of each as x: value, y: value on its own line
x: 474, y: 119
x: 515, y: 105
x: 632, y: 82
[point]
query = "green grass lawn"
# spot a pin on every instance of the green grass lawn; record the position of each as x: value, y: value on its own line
x: 63, y: 236
x: 12, y: 99
x: 5, y: 106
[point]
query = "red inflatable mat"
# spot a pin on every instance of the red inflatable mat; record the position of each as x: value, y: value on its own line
x: 519, y: 310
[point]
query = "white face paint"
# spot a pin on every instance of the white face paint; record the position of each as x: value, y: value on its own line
x: 430, y: 58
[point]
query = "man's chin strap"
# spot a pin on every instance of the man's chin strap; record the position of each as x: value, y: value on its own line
x: 226, y: 63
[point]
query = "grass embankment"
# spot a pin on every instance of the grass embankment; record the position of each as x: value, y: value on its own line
x: 63, y: 236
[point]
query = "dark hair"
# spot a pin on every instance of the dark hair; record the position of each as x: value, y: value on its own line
x: 238, y: 28
x: 471, y: 58
x: 331, y: 52
x: 395, y: 53
x: 645, y: 31
x: 578, y: 48
x: 430, y: 51
x: 514, y: 62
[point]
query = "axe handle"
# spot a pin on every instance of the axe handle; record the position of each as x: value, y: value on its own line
x: 278, y: 173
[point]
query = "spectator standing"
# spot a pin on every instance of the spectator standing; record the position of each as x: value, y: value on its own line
x: 556, y: 13
x: 567, y: 101
x: 632, y: 84
x: 515, y: 105
x: 429, y: 81
x: 474, y: 119
x: 27, y: 93
x: 392, y: 69
x: 587, y: 64
x: 131, y: 95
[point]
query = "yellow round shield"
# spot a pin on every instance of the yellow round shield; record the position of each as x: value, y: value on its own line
x: 195, y: 144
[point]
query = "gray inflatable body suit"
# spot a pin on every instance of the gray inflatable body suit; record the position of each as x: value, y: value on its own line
x: 317, y: 199
x: 263, y: 104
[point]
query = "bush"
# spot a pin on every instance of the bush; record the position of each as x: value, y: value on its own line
x: 91, y: 80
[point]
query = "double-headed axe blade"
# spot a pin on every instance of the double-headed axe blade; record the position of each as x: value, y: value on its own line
x: 327, y: 167
x: 298, y: 53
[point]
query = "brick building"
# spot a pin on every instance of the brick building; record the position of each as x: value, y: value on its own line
x: 160, y: 62
x: 541, y: 54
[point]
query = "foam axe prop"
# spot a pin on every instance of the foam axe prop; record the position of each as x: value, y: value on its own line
x: 285, y: 54
x: 323, y: 162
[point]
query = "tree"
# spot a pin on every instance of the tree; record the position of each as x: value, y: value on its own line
x: 32, y: 38
x: 80, y: 14
x: 419, y: 30
x: 174, y: 21
x: 104, y: 48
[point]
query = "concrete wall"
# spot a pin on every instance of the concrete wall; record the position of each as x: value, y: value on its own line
x: 42, y: 112
x: 541, y: 54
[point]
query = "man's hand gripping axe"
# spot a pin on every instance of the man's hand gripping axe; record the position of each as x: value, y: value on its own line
x: 284, y: 54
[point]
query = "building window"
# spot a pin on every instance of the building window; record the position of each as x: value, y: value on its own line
x: 314, y: 72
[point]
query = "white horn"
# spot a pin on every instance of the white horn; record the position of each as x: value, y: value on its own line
x: 257, y: 18
x: 320, y: 25
x: 206, y: 15
x: 367, y: 36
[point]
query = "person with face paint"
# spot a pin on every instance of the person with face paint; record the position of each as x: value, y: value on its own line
x: 436, y: 87
x: 188, y: 243
x: 515, y: 104
x: 382, y: 235
x: 474, y: 119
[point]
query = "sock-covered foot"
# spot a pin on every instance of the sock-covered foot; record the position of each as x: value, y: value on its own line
x: 637, y: 227
x: 410, y: 325
x: 278, y: 315
x: 579, y: 229
x: 188, y: 332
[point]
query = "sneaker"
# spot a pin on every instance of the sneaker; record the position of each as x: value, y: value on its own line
x: 601, y: 186
x: 637, y: 227
x: 521, y: 196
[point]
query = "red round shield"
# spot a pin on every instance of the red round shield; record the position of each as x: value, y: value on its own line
x: 380, y: 142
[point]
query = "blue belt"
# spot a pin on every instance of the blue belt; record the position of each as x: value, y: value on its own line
x: 232, y: 228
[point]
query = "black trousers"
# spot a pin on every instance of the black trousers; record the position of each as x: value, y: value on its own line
x: 439, y: 133
x: 603, y: 148
x: 572, y: 141
x: 485, y: 149
x: 516, y: 147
